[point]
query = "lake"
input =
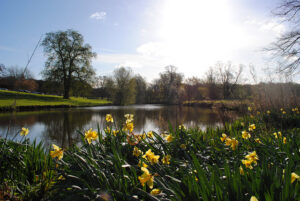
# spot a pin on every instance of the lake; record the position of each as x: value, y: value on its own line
x: 61, y: 126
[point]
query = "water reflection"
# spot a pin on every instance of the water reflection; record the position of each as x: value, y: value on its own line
x: 61, y: 126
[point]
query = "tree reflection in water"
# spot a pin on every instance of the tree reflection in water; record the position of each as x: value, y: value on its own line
x: 61, y: 126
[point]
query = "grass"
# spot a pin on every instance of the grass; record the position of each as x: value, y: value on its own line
x: 10, y: 99
x: 240, y: 105
x: 202, y: 167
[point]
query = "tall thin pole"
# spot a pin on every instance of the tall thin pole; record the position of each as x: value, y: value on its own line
x: 29, y: 60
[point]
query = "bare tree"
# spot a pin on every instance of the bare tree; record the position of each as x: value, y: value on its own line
x: 228, y: 77
x: 2, y: 70
x: 287, y: 45
x: 211, y: 83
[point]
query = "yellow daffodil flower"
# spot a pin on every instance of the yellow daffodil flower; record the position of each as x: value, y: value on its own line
x: 227, y: 141
x: 146, y: 177
x: 223, y: 138
x: 150, y: 134
x: 115, y: 132
x: 181, y: 127
x: 252, y: 127
x: 151, y: 157
x: 24, y: 131
x: 166, y: 160
x: 183, y: 146
x: 241, y: 171
x: 155, y: 192
x: 109, y: 118
x: 234, y: 144
x: 257, y: 140
x: 294, y: 176
x: 142, y: 164
x: 252, y: 156
x: 137, y: 152
x: 279, y: 134
x: 129, y: 117
x: 129, y: 126
x: 169, y: 138
x: 284, y: 140
x: 57, y: 152
x: 247, y: 164
x: 246, y: 135
x: 253, y: 198
x: 90, y: 135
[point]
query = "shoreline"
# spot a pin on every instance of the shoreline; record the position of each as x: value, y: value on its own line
x: 44, y: 107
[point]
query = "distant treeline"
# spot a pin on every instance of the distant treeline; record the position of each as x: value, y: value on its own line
x: 123, y: 87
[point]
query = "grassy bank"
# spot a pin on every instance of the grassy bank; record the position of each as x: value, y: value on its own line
x: 254, y: 156
x: 10, y: 100
x: 237, y: 105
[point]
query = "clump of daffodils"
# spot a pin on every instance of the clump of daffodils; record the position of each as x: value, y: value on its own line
x: 251, y: 158
x: 129, y: 123
x: 232, y: 142
x: 278, y: 135
x: 296, y: 110
x: 181, y: 127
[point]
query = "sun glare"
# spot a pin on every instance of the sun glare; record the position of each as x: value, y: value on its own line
x: 194, y: 29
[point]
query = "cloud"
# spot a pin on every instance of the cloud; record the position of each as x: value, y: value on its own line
x: 4, y: 48
x: 98, y: 15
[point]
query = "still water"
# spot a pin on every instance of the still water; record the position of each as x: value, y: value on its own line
x: 61, y: 126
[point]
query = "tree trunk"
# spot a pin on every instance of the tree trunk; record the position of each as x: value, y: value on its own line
x: 67, y: 89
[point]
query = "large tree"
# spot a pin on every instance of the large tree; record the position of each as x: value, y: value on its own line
x: 125, y: 86
x: 69, y: 60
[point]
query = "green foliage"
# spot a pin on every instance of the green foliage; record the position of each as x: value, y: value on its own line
x: 124, y: 87
x: 26, y: 170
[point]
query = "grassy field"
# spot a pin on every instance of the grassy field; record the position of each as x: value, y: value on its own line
x: 11, y: 99
x: 254, y: 158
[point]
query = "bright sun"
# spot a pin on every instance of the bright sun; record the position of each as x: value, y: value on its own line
x: 194, y: 30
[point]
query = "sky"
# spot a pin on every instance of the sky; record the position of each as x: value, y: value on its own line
x: 146, y: 35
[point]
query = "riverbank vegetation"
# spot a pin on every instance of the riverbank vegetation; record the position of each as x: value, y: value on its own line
x: 224, y: 83
x: 256, y: 157
x: 12, y: 100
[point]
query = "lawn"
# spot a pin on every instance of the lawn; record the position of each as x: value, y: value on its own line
x: 11, y: 99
